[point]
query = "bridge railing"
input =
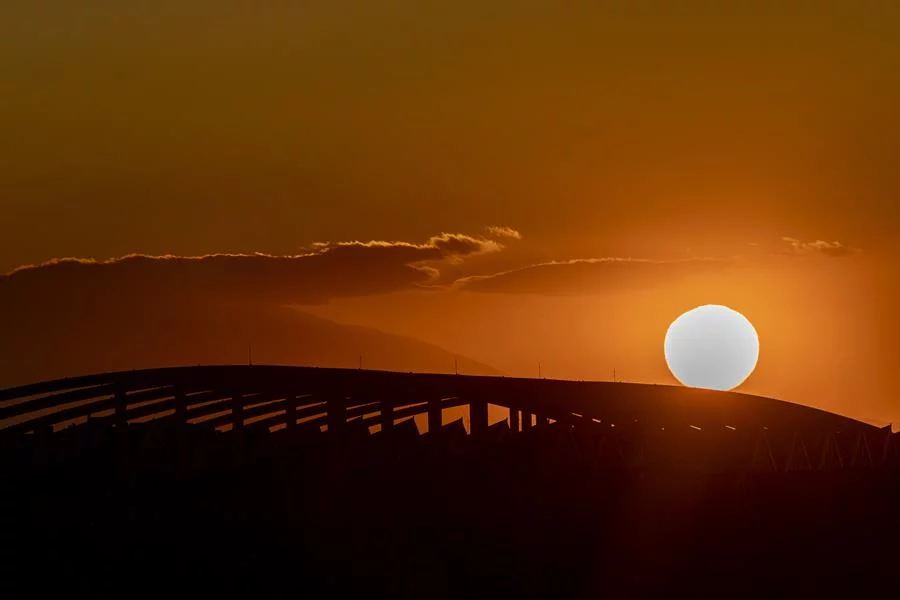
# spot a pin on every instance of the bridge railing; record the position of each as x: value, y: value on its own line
x: 273, y: 398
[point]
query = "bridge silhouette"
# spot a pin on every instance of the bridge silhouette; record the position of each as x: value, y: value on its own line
x: 775, y: 434
x: 296, y: 478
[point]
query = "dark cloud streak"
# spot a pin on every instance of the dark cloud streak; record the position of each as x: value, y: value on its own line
x: 329, y: 270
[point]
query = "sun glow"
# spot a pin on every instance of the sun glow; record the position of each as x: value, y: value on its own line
x: 712, y: 347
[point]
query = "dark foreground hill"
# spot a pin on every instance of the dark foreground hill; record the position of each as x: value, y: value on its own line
x: 554, y: 511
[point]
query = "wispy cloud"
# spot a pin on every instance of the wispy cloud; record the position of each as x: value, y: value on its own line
x: 498, y: 231
x: 610, y: 274
x: 588, y: 275
x: 832, y: 249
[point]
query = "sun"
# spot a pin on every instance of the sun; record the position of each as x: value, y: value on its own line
x: 712, y: 347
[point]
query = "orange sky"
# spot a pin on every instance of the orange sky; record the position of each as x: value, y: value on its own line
x: 692, y: 139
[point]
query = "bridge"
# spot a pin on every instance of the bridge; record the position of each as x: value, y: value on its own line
x: 262, y: 398
x: 296, y: 478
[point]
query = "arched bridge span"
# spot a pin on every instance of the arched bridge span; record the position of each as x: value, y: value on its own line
x: 259, y: 396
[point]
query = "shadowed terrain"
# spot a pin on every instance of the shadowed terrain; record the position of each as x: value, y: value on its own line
x: 83, y: 337
x: 687, y: 492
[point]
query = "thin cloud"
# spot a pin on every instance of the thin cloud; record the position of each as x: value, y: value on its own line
x: 446, y: 245
x: 458, y: 246
x: 588, y: 275
x: 611, y: 274
x: 498, y: 231
x: 820, y: 247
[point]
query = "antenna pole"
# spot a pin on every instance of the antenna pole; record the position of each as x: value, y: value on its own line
x: 456, y: 365
x: 250, y: 355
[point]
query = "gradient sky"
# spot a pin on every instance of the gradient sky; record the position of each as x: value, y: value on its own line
x: 690, y: 137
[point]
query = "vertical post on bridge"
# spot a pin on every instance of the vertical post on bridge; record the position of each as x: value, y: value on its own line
x: 478, y: 416
x: 181, y: 442
x: 121, y: 423
x: 121, y: 410
x: 435, y: 416
x: 337, y: 413
x: 237, y: 427
x: 387, y: 416
x: 514, y: 418
x: 526, y: 420
x: 290, y: 411
x: 180, y: 406
x: 237, y: 410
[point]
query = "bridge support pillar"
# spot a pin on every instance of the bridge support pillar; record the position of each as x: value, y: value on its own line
x: 542, y: 421
x: 181, y: 424
x: 237, y: 410
x: 121, y: 410
x: 435, y: 416
x: 337, y: 413
x: 180, y: 407
x: 387, y: 416
x: 514, y: 419
x: 237, y: 431
x: 526, y: 420
x: 290, y: 411
x: 121, y: 423
x: 478, y: 416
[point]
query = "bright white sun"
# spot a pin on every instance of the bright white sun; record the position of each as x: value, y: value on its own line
x: 712, y: 347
